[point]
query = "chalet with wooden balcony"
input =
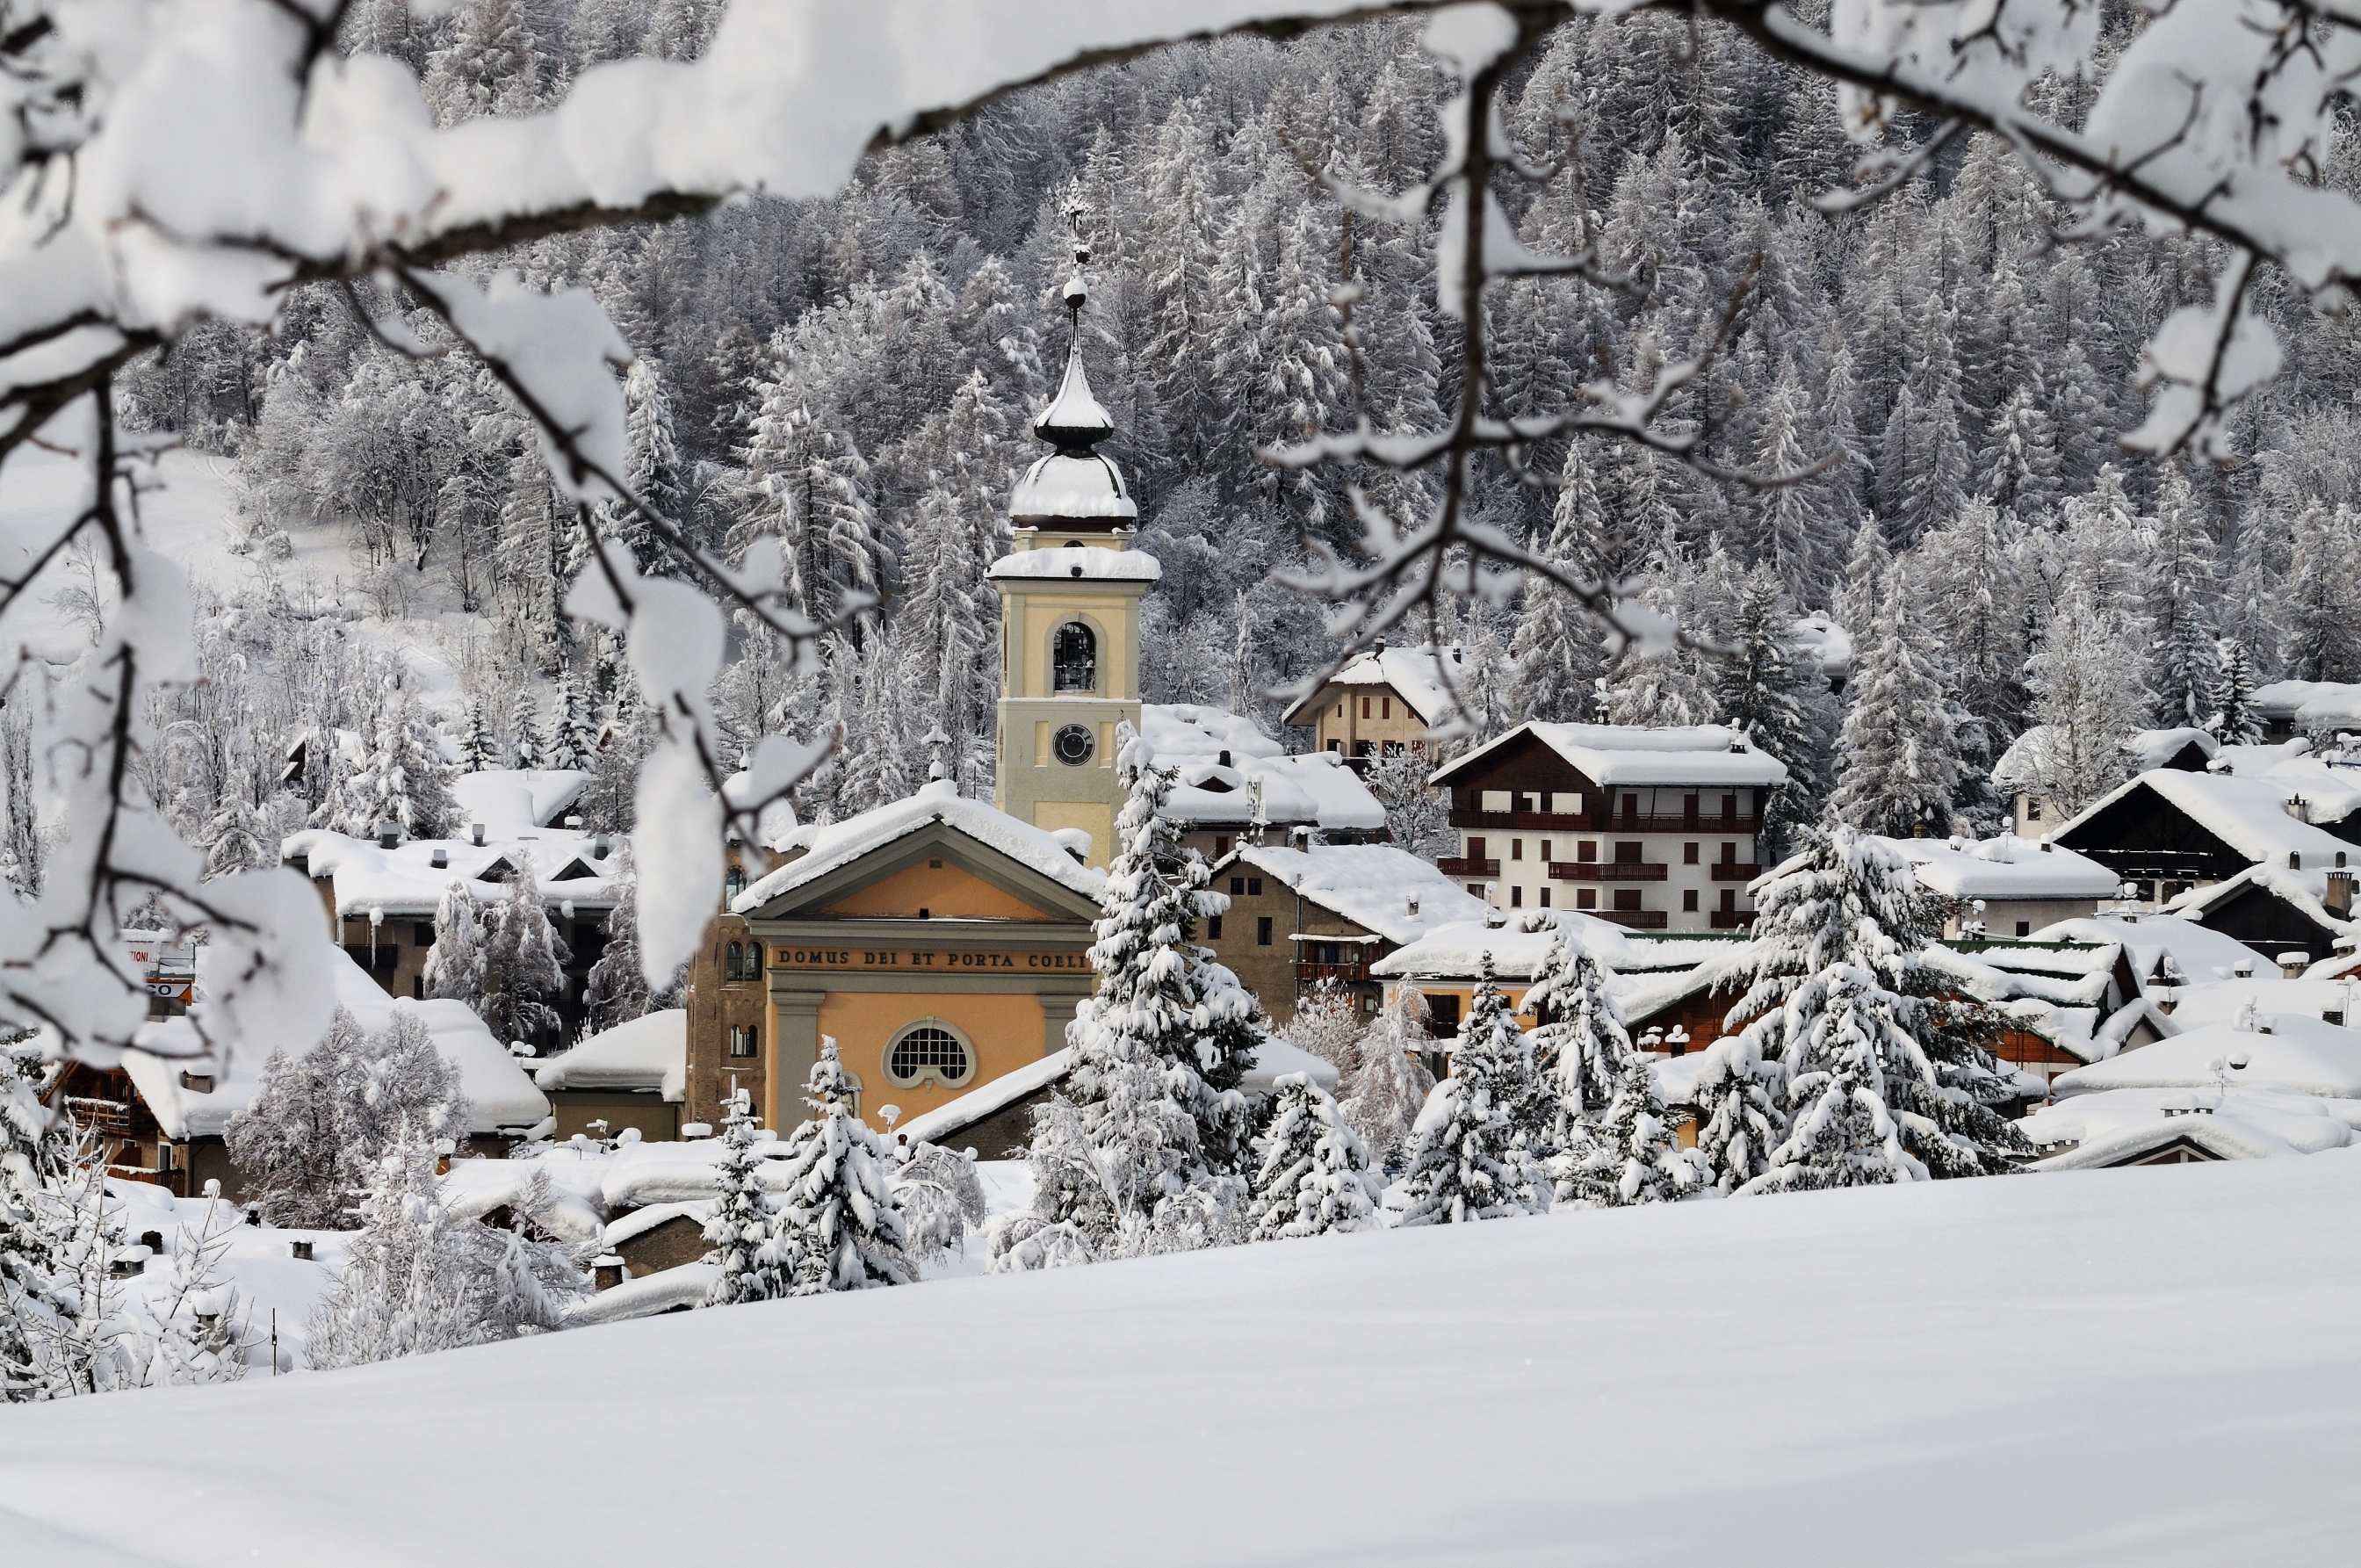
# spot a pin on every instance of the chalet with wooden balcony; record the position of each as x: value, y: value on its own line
x: 2166, y: 834
x: 1652, y: 830
x: 1326, y: 911
x: 1381, y: 703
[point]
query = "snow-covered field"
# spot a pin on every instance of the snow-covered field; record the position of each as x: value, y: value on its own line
x: 2146, y: 1367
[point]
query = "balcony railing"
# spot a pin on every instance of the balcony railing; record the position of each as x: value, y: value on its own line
x: 100, y: 1115
x: 1608, y: 870
x: 1733, y: 919
x: 1342, y: 974
x: 1606, y: 822
x: 1635, y: 919
x: 1736, y: 870
x: 1454, y: 865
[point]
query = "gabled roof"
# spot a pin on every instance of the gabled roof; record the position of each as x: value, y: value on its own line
x: 2249, y: 814
x: 2303, y: 1054
x: 1409, y: 672
x: 650, y: 1052
x: 1315, y: 787
x: 2003, y: 867
x: 404, y: 882
x: 1706, y: 755
x: 939, y: 806
x: 2302, y: 891
x: 1372, y: 886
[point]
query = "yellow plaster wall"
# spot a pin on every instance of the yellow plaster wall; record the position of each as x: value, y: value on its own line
x: 941, y: 889
x: 1110, y: 614
x: 1006, y: 1029
x: 1092, y: 817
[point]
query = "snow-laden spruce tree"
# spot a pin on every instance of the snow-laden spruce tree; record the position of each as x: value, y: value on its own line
x: 318, y: 1122
x: 400, y: 779
x: 1074, y: 1211
x: 523, y: 966
x: 573, y: 738
x: 478, y: 748
x: 756, y: 1262
x: 455, y: 963
x: 837, y: 1207
x: 1580, y: 1035
x: 418, y: 1280
x: 1898, y: 760
x: 1757, y: 687
x: 1633, y: 1154
x: 1465, y: 1161
x: 2232, y: 718
x: 1739, y: 1117
x: 1162, y: 1001
x: 1315, y: 1176
x: 1382, y: 1100
x: 525, y: 749
x: 2090, y: 686
x: 1882, y: 1079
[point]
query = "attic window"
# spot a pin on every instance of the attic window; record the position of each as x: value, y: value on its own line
x: 499, y: 871
x: 573, y: 870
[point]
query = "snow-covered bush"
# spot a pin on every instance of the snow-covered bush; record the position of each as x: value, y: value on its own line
x: 1631, y: 1155
x: 1327, y: 1023
x: 1315, y: 1176
x: 942, y: 1201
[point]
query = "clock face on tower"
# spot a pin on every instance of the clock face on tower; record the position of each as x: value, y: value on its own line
x: 1072, y: 745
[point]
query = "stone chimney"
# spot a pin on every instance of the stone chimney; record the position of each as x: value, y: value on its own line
x: 2339, y: 897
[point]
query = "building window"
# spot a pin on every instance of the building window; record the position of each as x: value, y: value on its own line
x: 1254, y: 887
x: 1584, y: 897
x: 733, y: 881
x: 1688, y: 854
x: 1221, y: 845
x: 1365, y: 708
x: 1262, y: 931
x: 928, y: 1051
x: 1385, y: 708
x: 1689, y: 900
x: 1212, y: 929
x: 1516, y: 897
x: 2024, y: 928
x: 1587, y: 850
x: 745, y: 1040
x: 1074, y: 659
x: 1516, y: 848
x: 1626, y: 854
x: 733, y: 961
x: 1626, y: 898
x: 1729, y: 854
x: 1545, y: 902
x: 1730, y: 901
x: 1336, y: 745
x: 1545, y: 852
x: 1441, y: 1015
x: 1074, y: 745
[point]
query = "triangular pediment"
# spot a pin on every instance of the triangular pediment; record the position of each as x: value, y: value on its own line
x: 936, y: 868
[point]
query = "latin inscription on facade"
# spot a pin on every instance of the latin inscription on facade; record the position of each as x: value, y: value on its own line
x: 921, y: 958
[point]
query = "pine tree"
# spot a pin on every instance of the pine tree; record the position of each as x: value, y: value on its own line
x: 1466, y: 1163
x: 455, y: 963
x: 837, y: 1207
x: 493, y: 65
x: 2323, y: 642
x: 477, y: 750
x: 1632, y: 1156
x: 2018, y: 472
x: 573, y: 740
x: 1386, y: 1093
x: 653, y: 467
x: 2234, y: 721
x: 524, y: 964
x: 804, y: 484
x: 1580, y: 1035
x: 2089, y: 695
x: 1738, y: 1115
x: 524, y: 726
x: 1315, y: 1176
x: 1558, y: 649
x: 1898, y: 761
x: 756, y: 1259
x: 2183, y: 570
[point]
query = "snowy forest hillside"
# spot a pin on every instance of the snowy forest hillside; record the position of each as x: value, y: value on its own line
x: 854, y: 376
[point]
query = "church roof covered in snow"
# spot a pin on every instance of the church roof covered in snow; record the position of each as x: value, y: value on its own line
x: 1610, y: 755
x: 829, y: 846
x: 1082, y: 488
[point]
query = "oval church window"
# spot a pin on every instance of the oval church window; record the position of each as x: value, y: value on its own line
x: 1074, y: 658
x: 928, y: 1053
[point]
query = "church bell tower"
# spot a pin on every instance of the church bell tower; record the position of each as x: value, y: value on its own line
x: 1069, y: 593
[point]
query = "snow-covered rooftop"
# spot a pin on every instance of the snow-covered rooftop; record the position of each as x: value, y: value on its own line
x: 496, y: 1088
x: 2004, y: 867
x: 2198, y: 953
x: 1090, y: 563
x: 2303, y: 890
x: 1708, y: 755
x: 1373, y: 885
x: 509, y: 800
x: 1410, y: 674
x: 2272, y: 996
x: 2303, y: 1054
x: 839, y: 844
x: 2155, y: 748
x: 2119, y: 1125
x: 650, y: 1052
x: 1077, y: 488
x: 1826, y: 644
x: 404, y: 881
x: 2311, y: 705
x: 1314, y: 787
x: 2250, y: 815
